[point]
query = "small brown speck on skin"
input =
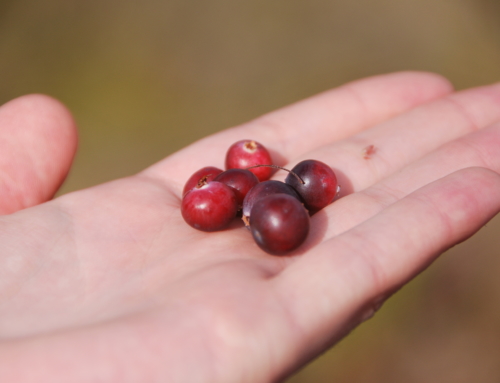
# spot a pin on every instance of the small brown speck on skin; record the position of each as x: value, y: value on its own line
x: 368, y: 152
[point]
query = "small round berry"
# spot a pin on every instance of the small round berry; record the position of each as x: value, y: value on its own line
x: 209, y: 206
x: 246, y: 153
x: 262, y: 190
x: 240, y: 180
x: 210, y: 172
x: 319, y: 186
x: 280, y: 223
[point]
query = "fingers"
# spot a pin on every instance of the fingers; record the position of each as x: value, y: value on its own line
x: 344, y: 279
x: 37, y: 145
x: 304, y: 126
x: 373, y: 154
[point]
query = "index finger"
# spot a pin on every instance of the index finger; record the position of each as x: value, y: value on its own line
x: 308, y: 124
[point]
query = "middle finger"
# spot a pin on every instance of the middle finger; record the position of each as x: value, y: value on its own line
x: 479, y: 149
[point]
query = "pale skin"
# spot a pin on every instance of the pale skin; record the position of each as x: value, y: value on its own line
x: 108, y: 284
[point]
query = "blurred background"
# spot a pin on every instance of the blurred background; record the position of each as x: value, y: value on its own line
x: 144, y: 79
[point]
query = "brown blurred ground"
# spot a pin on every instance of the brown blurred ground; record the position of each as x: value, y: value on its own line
x: 147, y: 78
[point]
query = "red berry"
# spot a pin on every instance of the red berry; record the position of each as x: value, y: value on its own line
x: 210, y: 172
x: 209, y: 206
x: 262, y: 190
x: 240, y: 180
x: 246, y: 153
x: 280, y: 223
x: 320, y: 183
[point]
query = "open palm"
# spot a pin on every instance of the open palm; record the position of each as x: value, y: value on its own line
x: 108, y: 284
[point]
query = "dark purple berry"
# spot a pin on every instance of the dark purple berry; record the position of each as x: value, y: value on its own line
x: 319, y: 185
x: 240, y: 180
x: 246, y: 153
x: 262, y: 190
x: 210, y: 172
x: 279, y: 224
x: 209, y: 206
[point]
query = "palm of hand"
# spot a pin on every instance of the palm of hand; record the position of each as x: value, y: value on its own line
x: 141, y: 296
x: 121, y: 252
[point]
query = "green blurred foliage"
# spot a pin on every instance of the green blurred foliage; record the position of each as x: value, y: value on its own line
x: 144, y: 79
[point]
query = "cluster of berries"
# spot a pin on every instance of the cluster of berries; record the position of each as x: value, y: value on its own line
x: 277, y: 213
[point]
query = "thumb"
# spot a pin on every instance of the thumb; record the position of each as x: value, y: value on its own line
x: 37, y: 144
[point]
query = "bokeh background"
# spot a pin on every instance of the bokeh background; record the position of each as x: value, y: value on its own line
x: 144, y: 79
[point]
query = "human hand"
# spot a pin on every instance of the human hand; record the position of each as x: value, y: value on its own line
x: 109, y: 284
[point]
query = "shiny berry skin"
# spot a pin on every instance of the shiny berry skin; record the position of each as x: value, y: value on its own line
x: 210, y: 172
x: 209, y: 207
x: 246, y: 153
x: 262, y: 190
x: 240, y: 180
x: 280, y: 223
x: 320, y: 184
